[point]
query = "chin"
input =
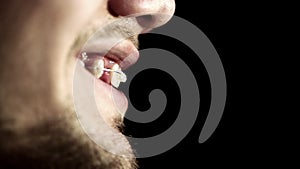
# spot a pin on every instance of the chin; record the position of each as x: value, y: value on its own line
x: 61, y: 142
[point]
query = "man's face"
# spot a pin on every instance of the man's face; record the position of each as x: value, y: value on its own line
x: 42, y: 43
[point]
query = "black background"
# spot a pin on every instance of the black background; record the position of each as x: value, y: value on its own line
x: 238, y: 32
x: 229, y: 144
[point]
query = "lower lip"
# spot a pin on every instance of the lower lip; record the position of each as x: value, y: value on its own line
x: 88, y: 89
x: 119, y: 100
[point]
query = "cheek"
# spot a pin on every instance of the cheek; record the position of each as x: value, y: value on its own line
x: 68, y: 18
x: 71, y: 16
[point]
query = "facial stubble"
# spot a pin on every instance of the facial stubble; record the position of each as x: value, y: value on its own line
x: 56, y: 141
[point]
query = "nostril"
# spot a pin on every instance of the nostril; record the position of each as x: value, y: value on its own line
x: 111, y: 11
x: 149, y: 13
x: 146, y: 21
x: 151, y: 21
x: 146, y: 18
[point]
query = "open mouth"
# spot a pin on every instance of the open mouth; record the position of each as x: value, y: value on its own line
x: 98, y: 103
x: 105, y: 55
x: 112, y: 49
x: 103, y: 68
x: 107, y: 66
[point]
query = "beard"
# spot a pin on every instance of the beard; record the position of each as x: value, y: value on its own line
x: 39, y: 132
x: 55, y: 142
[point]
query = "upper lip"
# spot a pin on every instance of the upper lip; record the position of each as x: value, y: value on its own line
x: 117, y: 41
x: 124, y: 53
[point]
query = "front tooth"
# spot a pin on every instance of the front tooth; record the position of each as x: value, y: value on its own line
x: 117, y: 76
x: 115, y: 81
x: 98, y: 67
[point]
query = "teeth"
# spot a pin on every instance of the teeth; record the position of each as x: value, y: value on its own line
x: 117, y: 76
x: 84, y: 56
x: 98, y: 68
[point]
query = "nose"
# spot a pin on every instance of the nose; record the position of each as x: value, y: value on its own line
x: 149, y: 13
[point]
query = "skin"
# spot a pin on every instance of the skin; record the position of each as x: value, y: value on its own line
x: 40, y: 42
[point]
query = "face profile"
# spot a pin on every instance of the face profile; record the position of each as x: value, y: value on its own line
x: 48, y: 49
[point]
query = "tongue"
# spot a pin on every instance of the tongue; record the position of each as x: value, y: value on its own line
x: 105, y: 77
